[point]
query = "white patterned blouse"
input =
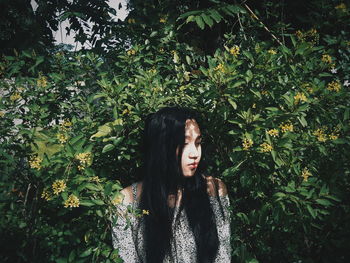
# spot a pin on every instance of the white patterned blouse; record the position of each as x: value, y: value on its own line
x: 182, y: 245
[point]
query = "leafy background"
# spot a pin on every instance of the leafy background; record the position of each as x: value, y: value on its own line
x: 269, y: 78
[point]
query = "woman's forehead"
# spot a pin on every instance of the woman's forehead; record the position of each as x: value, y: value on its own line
x: 192, y: 128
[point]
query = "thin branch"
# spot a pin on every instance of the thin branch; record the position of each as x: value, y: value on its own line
x: 240, y: 24
x: 268, y: 30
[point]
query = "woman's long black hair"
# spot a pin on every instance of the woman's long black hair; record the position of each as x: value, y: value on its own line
x: 164, y: 135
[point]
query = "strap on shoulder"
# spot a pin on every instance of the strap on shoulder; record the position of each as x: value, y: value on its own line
x: 134, y: 191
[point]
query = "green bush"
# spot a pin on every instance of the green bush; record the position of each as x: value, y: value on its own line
x: 276, y: 131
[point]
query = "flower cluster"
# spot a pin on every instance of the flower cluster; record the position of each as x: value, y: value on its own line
x: 320, y: 134
x: 220, y: 68
x: 62, y: 138
x: 273, y: 132
x: 299, y: 97
x: 95, y: 179
x: 234, y: 50
x: 145, y: 212
x: 341, y: 7
x: 41, y: 82
x: 265, y: 147
x: 272, y: 51
x: 117, y: 200
x: 15, y: 96
x: 58, y: 186
x: 305, y: 174
x: 72, y: 201
x: 333, y: 136
x: 84, y: 160
x: 35, y: 162
x: 327, y: 59
x: 46, y: 195
x: 66, y: 125
x: 310, y: 36
x: 334, y: 86
x: 247, y: 143
x: 2, y: 114
x: 131, y: 52
x: 286, y: 126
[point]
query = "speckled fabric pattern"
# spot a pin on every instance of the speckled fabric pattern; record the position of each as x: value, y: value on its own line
x: 183, y: 244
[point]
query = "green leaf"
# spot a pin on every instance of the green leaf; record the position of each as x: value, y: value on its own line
x: 108, y: 188
x: 311, y: 211
x: 86, y: 253
x: 207, y: 20
x: 86, y: 203
x: 98, y: 202
x: 92, y: 187
x: 324, y: 202
x: 215, y: 15
x: 107, y: 148
x: 200, y: 22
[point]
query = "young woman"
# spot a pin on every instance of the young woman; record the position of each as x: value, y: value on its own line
x: 185, y: 213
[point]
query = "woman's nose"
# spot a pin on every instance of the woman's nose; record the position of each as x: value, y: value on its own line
x: 194, y: 152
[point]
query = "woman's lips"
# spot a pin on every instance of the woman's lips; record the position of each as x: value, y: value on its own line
x: 193, y: 165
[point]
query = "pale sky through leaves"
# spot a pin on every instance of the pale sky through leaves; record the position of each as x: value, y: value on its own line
x: 60, y: 35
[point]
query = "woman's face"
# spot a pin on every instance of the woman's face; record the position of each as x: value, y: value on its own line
x: 192, y: 151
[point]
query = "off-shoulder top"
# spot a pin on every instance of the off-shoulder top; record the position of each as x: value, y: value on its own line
x: 183, y: 247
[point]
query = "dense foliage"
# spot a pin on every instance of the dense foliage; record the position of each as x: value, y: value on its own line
x: 276, y: 118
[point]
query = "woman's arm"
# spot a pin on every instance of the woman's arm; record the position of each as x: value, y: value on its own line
x: 122, y: 230
x: 217, y: 187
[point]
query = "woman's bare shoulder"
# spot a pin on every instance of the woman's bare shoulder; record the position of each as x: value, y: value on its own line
x: 128, y: 194
x: 215, y: 185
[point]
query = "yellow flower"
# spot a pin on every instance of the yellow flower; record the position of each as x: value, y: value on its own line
x: 286, y: 126
x: 334, y: 136
x: 15, y: 96
x: 182, y: 88
x: 46, y: 195
x: 247, y: 143
x: 220, y: 67
x: 273, y: 132
x: 72, y: 201
x: 95, y: 179
x: 131, y: 52
x: 234, y: 50
x: 299, y: 34
x: 162, y: 20
x: 117, y: 200
x: 320, y: 134
x: 334, y: 86
x: 58, y: 186
x: 272, y: 51
x: 145, y: 212
x: 326, y: 58
x: 84, y: 159
x: 341, y: 7
x: 299, y: 97
x: 126, y: 111
x: 41, y: 82
x: 265, y: 147
x: 35, y: 162
x: 264, y: 92
x: 161, y: 50
x: 131, y: 21
x: 62, y: 138
x: 2, y: 114
x: 305, y: 174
